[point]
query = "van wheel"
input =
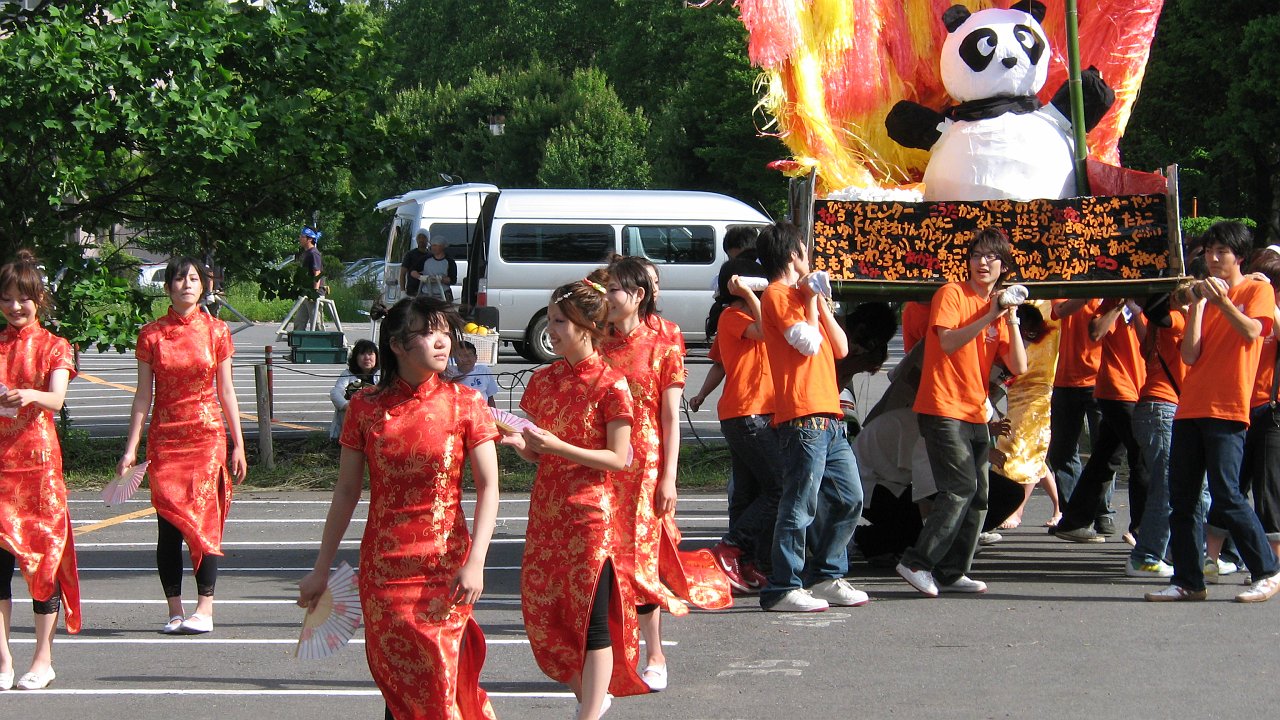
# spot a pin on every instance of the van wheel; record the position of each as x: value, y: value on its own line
x: 537, y: 345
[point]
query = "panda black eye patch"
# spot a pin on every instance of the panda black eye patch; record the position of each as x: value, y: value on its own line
x: 1030, y: 41
x: 978, y: 48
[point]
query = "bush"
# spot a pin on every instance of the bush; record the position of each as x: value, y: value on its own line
x: 1193, y: 227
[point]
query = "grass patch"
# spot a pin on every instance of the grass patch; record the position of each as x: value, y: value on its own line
x: 310, y: 462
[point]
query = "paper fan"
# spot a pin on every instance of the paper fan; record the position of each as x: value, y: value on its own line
x: 328, y: 627
x: 7, y: 412
x: 509, y: 422
x: 123, y: 487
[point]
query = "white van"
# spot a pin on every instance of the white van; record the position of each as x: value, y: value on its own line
x: 525, y: 243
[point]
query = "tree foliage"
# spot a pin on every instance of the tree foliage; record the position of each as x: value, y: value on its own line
x: 211, y: 127
x: 1208, y: 103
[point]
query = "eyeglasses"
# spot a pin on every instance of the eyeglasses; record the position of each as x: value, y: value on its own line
x: 987, y: 257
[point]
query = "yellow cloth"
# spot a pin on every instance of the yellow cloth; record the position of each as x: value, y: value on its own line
x: 1024, y: 448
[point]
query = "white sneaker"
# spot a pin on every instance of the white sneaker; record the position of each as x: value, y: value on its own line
x: 798, y: 600
x: 921, y: 580
x: 989, y: 538
x: 964, y: 584
x: 1260, y: 591
x: 838, y: 593
x: 1157, y: 569
x: 6, y: 680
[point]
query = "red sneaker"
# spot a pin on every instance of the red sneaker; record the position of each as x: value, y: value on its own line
x: 727, y: 557
x: 755, y: 579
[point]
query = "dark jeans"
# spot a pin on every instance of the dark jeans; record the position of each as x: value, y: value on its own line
x: 1069, y: 409
x: 756, y: 457
x: 1261, y: 470
x: 958, y: 457
x: 1088, y: 500
x: 1214, y: 448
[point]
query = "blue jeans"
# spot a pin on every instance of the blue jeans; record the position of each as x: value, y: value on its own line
x: 1069, y: 410
x: 1212, y: 447
x: 1153, y: 426
x: 756, y: 457
x: 821, y: 501
x: 958, y: 457
x: 1089, y: 498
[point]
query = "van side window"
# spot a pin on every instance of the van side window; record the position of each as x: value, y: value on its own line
x: 539, y: 242
x: 671, y: 244
x: 454, y: 237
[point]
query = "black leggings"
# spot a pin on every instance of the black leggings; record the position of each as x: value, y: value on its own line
x: 169, y: 563
x: 41, y: 607
x: 598, y: 637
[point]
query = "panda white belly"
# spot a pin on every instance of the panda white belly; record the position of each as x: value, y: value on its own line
x: 1018, y: 157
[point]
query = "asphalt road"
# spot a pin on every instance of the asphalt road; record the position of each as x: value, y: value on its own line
x: 1062, y: 633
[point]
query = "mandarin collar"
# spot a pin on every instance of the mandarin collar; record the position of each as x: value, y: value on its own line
x: 183, y: 319
x: 12, y: 332
x: 426, y: 388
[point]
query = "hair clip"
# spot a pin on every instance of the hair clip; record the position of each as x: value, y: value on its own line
x: 598, y: 287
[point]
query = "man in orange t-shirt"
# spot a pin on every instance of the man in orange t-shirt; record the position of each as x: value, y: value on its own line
x: 1120, y: 326
x: 1221, y: 347
x: 745, y: 410
x: 821, y: 491
x: 968, y: 330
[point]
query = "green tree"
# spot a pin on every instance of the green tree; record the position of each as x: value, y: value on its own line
x: 601, y: 145
x: 1207, y: 104
x: 210, y: 126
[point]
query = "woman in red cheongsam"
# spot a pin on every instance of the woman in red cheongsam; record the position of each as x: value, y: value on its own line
x: 35, y: 529
x: 579, y: 614
x: 420, y: 572
x: 184, y: 361
x: 645, y: 352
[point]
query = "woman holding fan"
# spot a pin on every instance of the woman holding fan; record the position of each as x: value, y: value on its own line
x: 184, y: 364
x: 579, y: 613
x: 645, y: 352
x: 35, y: 528
x: 420, y: 571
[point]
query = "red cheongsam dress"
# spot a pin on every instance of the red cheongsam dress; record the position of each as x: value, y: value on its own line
x: 649, y: 553
x: 570, y: 534
x: 187, y: 440
x: 34, y: 524
x: 424, y: 652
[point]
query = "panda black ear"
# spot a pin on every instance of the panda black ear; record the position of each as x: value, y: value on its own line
x: 954, y: 17
x: 1035, y: 8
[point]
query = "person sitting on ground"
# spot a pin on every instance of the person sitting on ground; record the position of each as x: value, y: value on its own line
x: 362, y: 371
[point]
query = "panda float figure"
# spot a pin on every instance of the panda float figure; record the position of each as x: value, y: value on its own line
x: 998, y: 141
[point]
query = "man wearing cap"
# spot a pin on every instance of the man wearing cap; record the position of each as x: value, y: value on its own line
x: 439, y: 273
x: 411, y: 265
x: 310, y: 258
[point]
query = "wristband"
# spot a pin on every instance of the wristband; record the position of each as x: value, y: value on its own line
x: 1012, y: 320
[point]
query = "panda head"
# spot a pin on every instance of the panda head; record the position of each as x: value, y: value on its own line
x: 994, y: 53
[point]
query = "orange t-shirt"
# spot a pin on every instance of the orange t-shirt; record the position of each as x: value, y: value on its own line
x: 915, y: 322
x: 1122, y: 370
x: 1266, y: 372
x: 1078, y: 355
x: 1168, y: 341
x: 802, y: 384
x: 1220, y: 383
x: 748, y: 387
x: 955, y: 385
